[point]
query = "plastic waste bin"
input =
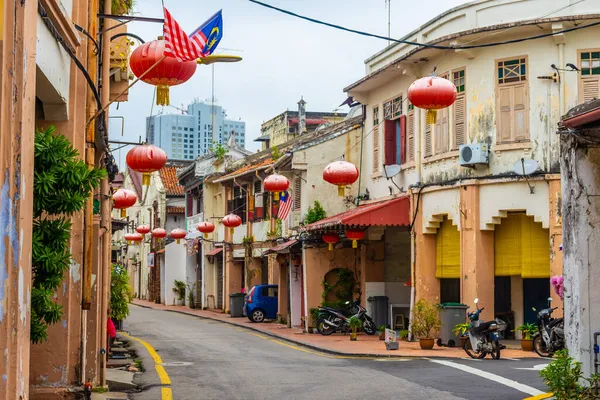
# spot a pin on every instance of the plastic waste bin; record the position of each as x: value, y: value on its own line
x: 451, y: 314
x: 379, y: 310
x: 236, y: 304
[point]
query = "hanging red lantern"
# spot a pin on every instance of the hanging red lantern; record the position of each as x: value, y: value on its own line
x: 432, y: 93
x: 340, y: 173
x: 146, y: 158
x: 206, y: 228
x: 143, y: 229
x: 133, y: 237
x: 123, y: 199
x: 232, y: 221
x: 169, y: 72
x: 159, y: 233
x: 331, y: 238
x: 354, y: 235
x: 178, y: 234
x: 276, y: 183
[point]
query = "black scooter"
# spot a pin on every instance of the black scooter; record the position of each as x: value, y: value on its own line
x: 331, y: 320
x: 551, y: 332
x: 483, y: 336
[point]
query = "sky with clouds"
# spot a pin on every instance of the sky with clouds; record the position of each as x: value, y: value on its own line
x: 284, y: 58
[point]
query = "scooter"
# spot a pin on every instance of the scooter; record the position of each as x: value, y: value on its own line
x: 331, y: 320
x: 483, y: 336
x: 551, y: 332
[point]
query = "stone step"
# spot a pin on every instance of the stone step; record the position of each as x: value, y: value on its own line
x: 119, y: 381
x: 110, y: 396
x: 116, y: 363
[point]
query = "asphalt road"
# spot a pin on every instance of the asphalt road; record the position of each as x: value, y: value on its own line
x: 211, y: 360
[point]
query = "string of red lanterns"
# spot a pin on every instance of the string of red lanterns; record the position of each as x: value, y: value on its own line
x: 205, y: 228
x: 355, y: 235
x: 146, y: 158
x: 276, y: 183
x: 341, y: 174
x: 143, y: 229
x: 232, y: 221
x: 133, y: 237
x: 123, y: 199
x: 178, y: 234
x: 331, y: 238
x: 159, y: 233
x: 432, y: 93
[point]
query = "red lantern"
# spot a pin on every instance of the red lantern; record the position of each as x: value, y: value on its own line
x: 169, y: 72
x: 340, y: 173
x: 134, y: 237
x: 159, y: 233
x: 276, y: 183
x: 232, y: 221
x: 355, y: 236
x: 122, y: 199
x: 206, y: 228
x: 432, y: 93
x: 331, y: 238
x: 143, y: 229
x: 146, y: 158
x: 178, y: 234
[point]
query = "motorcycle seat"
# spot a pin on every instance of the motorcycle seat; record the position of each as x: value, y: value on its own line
x: 484, y: 326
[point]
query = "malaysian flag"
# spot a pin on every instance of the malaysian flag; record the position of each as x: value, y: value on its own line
x: 285, y: 205
x: 201, y: 43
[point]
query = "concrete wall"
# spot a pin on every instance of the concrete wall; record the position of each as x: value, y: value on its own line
x: 175, y: 268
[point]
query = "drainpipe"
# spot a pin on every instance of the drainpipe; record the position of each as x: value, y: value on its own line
x: 202, y: 302
x: 596, y: 351
x: 306, y: 314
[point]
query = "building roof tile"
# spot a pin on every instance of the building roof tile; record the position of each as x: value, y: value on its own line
x: 168, y: 175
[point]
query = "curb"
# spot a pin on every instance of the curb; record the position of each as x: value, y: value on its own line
x: 300, y: 343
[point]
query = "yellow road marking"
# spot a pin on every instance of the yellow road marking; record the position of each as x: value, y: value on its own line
x: 160, y: 370
x: 540, y: 396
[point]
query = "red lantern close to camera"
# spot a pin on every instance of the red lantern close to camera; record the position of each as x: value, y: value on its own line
x: 432, y: 93
x: 340, y: 173
x: 276, y: 183
x: 205, y: 228
x: 232, y: 221
x: 159, y: 233
x: 146, y: 158
x: 355, y: 236
x: 123, y: 199
x: 169, y: 72
x: 331, y: 238
x: 178, y: 234
x: 143, y: 229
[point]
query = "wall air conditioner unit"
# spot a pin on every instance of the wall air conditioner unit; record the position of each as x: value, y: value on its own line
x: 473, y: 154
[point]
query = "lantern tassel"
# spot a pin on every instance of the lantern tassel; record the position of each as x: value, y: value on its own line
x: 276, y: 196
x: 162, y: 95
x: 178, y: 241
x: 341, y: 191
x: 431, y: 116
x: 205, y: 235
x: 146, y: 179
x: 330, y: 246
x: 355, y: 244
x: 123, y: 213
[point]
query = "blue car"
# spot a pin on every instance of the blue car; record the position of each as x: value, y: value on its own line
x: 261, y: 303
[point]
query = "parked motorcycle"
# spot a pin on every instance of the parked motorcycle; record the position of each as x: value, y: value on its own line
x: 483, y: 336
x: 331, y: 320
x: 551, y: 332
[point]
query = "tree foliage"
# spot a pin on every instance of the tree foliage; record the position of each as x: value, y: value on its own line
x: 121, y: 293
x: 315, y: 213
x: 566, y: 381
x: 62, y: 183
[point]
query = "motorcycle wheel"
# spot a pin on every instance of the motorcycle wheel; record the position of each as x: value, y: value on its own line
x: 369, y: 327
x: 324, y: 328
x: 539, y: 347
x: 471, y: 353
x: 496, y: 350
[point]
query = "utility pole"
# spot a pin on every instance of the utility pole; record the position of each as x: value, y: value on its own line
x: 212, y: 105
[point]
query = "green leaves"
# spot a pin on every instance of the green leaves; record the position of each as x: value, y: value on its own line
x: 121, y: 293
x: 315, y: 213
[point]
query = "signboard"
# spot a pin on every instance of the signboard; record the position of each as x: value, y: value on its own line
x: 239, y: 253
x: 390, y: 336
x: 150, y: 260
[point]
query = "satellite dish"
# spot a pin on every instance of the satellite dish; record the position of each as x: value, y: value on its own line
x: 525, y: 167
x: 391, y: 170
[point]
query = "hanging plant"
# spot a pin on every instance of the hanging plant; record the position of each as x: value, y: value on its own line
x: 62, y: 183
x: 122, y: 7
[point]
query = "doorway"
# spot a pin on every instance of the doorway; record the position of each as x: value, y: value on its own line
x: 535, y: 295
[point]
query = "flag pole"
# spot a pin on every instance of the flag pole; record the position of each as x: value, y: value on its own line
x: 126, y: 89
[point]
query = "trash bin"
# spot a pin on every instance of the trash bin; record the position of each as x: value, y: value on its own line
x: 379, y: 310
x: 236, y: 304
x: 451, y: 314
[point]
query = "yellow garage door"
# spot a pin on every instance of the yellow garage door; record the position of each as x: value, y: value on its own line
x: 522, y: 247
x: 447, y: 251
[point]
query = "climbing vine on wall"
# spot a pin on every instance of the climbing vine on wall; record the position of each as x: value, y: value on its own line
x: 343, y: 289
x: 61, y: 185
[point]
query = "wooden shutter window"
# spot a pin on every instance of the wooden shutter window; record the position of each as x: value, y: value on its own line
x: 459, y: 121
x: 590, y: 88
x: 520, y: 124
x: 403, y: 139
x: 190, y: 205
x: 410, y: 136
x: 297, y: 193
x: 428, y: 149
x: 389, y: 133
x: 447, y: 251
x: 376, y: 150
x: 504, y: 116
x: 444, y: 134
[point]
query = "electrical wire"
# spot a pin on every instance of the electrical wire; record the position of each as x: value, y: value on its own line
x: 424, y: 45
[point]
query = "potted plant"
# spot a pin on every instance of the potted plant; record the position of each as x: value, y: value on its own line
x: 403, y: 334
x: 425, y: 320
x: 179, y: 289
x: 314, y: 315
x: 382, y: 332
x: 355, y: 324
x: 527, y: 331
x: 460, y: 330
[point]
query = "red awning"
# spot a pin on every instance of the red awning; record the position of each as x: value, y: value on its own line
x: 280, y: 248
x: 215, y: 251
x: 394, y: 212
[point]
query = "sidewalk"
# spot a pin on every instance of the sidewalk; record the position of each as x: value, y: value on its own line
x: 338, y: 344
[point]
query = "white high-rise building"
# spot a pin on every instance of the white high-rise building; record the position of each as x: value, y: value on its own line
x: 187, y: 136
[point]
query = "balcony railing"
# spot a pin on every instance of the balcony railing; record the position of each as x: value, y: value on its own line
x: 193, y: 221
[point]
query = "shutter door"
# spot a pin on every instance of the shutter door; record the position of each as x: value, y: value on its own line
x: 507, y: 246
x: 504, y: 114
x: 447, y: 251
x: 520, y: 117
x: 536, y: 249
x: 410, y: 127
x: 590, y: 89
x: 389, y: 133
x: 428, y: 148
x: 403, y: 139
x: 459, y: 121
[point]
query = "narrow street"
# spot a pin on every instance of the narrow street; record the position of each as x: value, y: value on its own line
x: 211, y: 360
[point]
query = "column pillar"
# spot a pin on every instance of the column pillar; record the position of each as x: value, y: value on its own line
x: 556, y: 261
x: 426, y: 285
x: 17, y: 124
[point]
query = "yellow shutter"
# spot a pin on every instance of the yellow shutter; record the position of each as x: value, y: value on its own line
x: 536, y: 249
x: 590, y: 88
x: 447, y: 251
x: 507, y: 246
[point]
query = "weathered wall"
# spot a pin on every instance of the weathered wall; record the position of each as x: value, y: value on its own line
x: 175, y: 268
x: 580, y: 176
